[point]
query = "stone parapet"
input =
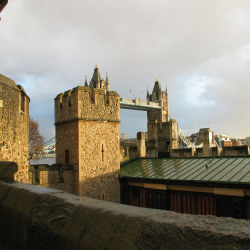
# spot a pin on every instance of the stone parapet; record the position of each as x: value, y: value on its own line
x: 199, y: 152
x: 236, y: 151
x: 182, y: 152
x: 56, y: 176
x: 81, y: 103
x: 152, y: 152
x: 132, y: 152
x: 52, y: 219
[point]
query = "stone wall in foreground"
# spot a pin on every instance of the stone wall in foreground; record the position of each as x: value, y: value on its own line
x: 14, y: 126
x: 51, y: 219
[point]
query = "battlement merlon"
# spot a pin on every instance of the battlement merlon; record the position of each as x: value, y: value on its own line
x: 81, y: 103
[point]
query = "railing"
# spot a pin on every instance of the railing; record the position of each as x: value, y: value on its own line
x: 139, y: 103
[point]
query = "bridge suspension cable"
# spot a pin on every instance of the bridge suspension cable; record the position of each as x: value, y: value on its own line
x: 50, y: 146
x: 189, y: 144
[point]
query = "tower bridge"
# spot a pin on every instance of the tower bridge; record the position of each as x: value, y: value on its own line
x: 157, y: 102
x: 134, y: 104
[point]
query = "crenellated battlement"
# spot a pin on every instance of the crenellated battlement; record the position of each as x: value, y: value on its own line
x: 85, y: 104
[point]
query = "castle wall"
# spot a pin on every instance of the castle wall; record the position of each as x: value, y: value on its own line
x: 152, y: 133
x: 236, y: 151
x: 163, y: 134
x: 99, y: 160
x: 87, y: 124
x: 59, y: 176
x: 124, y: 154
x: 173, y: 135
x: 14, y: 126
x: 52, y: 219
x: 67, y: 139
x: 132, y: 152
x: 183, y: 152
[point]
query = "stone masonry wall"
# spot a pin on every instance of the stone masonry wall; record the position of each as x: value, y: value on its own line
x: 51, y: 219
x: 87, y: 124
x: 124, y: 154
x: 173, y: 135
x: 163, y: 136
x: 99, y: 170
x: 67, y: 139
x: 50, y: 179
x: 14, y: 127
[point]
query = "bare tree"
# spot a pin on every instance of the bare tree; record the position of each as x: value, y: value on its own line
x: 36, y: 141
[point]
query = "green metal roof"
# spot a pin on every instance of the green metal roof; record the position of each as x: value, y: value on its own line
x: 235, y: 170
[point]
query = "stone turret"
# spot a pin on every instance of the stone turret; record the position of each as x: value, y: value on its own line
x: 86, y: 82
x: 161, y: 97
x: 147, y: 97
x: 87, y: 135
x: 159, y: 132
x: 97, y: 81
x: 107, y: 82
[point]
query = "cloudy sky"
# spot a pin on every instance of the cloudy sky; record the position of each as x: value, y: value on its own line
x: 199, y: 49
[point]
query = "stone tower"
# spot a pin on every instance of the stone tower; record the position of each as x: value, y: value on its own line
x: 87, y: 136
x: 14, y: 126
x: 161, y: 97
x: 161, y: 131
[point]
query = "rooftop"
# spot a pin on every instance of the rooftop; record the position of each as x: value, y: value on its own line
x: 232, y: 170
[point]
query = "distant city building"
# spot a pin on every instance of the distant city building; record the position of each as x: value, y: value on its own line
x: 235, y: 142
x: 223, y: 141
x: 226, y: 143
x: 242, y: 141
x: 247, y: 141
x: 123, y: 136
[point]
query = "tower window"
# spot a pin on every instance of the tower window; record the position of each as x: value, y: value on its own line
x: 66, y: 157
x: 22, y: 101
x: 102, y: 153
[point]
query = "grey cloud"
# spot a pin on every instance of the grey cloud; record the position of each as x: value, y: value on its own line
x: 49, y: 47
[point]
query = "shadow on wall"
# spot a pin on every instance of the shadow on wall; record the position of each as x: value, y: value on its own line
x: 52, y: 219
x: 62, y: 177
x: 55, y: 176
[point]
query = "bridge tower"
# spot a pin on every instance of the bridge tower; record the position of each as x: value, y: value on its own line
x: 87, y: 136
x: 160, y: 130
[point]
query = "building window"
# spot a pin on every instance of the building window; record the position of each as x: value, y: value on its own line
x: 22, y: 105
x: 66, y: 157
x: 102, y: 153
